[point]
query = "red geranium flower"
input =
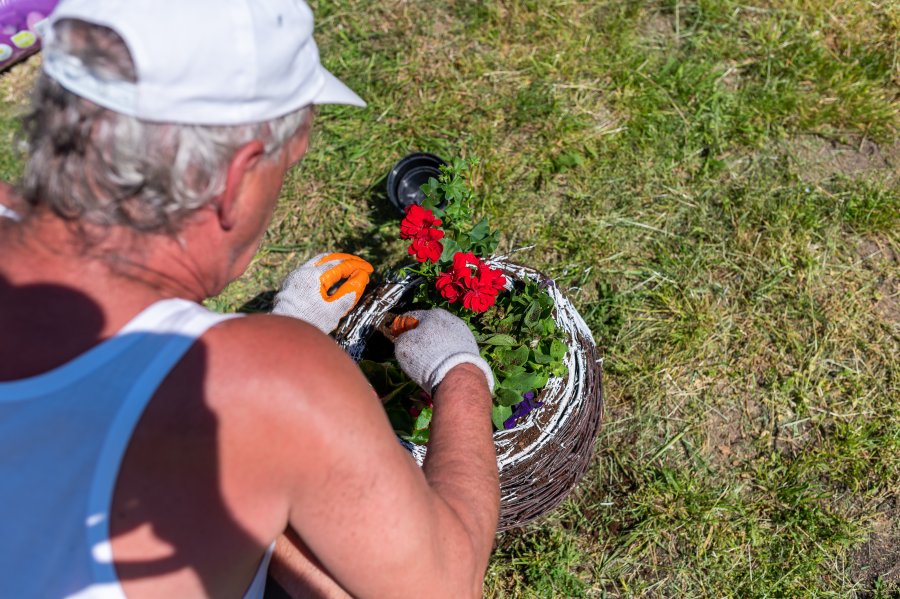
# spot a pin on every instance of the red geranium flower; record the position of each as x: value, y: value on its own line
x: 449, y: 288
x: 471, y: 280
x: 420, y: 225
x: 427, y: 247
x: 477, y: 300
x: 418, y: 221
x: 490, y: 278
x: 465, y: 264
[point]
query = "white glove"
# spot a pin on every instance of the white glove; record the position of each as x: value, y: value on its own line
x: 439, y: 342
x: 304, y: 293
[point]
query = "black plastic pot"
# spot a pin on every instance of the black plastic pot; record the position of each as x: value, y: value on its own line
x: 405, y: 181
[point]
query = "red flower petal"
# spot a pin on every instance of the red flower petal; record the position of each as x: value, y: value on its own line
x: 465, y: 265
x: 430, y: 234
x: 425, y: 249
x: 416, y: 221
x: 448, y: 287
x: 477, y: 301
x: 489, y: 280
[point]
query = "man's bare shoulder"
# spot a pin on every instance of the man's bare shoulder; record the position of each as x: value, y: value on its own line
x: 259, y: 336
x: 278, y: 356
x: 280, y: 390
x: 266, y: 372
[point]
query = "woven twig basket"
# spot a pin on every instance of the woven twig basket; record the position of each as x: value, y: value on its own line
x: 543, y: 458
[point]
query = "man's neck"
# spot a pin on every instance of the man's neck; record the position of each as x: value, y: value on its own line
x: 60, y: 295
x: 121, y: 271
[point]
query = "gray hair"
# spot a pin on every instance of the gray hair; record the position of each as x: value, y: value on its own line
x: 92, y: 165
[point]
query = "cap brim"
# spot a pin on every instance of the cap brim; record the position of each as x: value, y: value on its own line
x: 335, y: 92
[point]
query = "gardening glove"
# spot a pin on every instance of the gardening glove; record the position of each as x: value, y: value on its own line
x: 438, y: 342
x: 304, y: 293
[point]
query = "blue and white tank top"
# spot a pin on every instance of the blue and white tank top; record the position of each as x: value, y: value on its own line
x: 63, y: 435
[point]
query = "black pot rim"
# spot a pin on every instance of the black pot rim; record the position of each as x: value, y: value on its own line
x: 403, y: 167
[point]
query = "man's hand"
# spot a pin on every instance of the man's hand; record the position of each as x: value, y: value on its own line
x: 305, y: 292
x: 438, y: 342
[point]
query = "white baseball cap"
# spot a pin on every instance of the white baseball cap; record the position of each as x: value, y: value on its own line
x: 204, y: 62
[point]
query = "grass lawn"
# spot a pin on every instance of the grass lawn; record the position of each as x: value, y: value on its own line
x: 717, y: 183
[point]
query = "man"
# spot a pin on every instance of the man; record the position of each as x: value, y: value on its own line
x: 154, y: 449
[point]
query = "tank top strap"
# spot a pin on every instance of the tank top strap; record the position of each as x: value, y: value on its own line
x: 174, y: 316
x: 167, y: 329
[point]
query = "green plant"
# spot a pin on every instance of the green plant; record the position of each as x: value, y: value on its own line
x: 512, y: 321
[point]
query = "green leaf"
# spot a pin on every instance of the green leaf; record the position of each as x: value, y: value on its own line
x: 532, y: 314
x: 432, y: 188
x: 540, y: 356
x: 455, y: 189
x: 433, y: 197
x: 480, y: 230
x: 559, y: 370
x: 499, y: 415
x: 450, y: 248
x: 524, y: 382
x: 548, y: 325
x: 423, y: 419
x: 499, y: 339
x: 418, y: 437
x: 507, y: 397
x: 557, y: 350
x: 407, y: 388
x: 513, y: 357
x: 399, y: 417
x: 545, y: 300
x: 508, y: 322
x: 374, y: 371
x: 490, y: 243
x: 504, y: 372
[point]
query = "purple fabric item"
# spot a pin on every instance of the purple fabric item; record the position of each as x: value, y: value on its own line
x: 20, y: 22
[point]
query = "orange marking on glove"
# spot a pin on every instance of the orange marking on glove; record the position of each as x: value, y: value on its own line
x: 354, y: 272
x: 402, y: 324
x: 355, y: 284
x: 363, y: 265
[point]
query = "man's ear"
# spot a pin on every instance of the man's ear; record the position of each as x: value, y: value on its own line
x: 243, y: 161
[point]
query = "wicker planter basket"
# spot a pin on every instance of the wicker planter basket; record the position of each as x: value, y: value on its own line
x: 542, y: 458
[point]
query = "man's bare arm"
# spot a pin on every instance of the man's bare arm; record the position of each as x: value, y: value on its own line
x: 377, y: 522
x: 465, y: 480
x: 461, y: 464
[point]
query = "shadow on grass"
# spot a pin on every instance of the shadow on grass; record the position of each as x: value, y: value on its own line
x: 374, y: 241
x: 368, y: 243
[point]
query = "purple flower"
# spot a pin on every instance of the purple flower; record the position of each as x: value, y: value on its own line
x: 522, y: 409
